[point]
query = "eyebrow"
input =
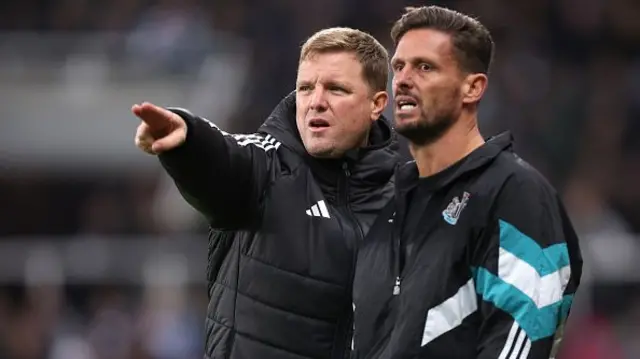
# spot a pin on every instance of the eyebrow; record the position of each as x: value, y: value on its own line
x: 412, y: 60
x: 338, y: 84
x: 326, y: 83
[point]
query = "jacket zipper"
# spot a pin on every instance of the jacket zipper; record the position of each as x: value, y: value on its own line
x: 399, y: 253
x: 344, y: 198
x: 398, y: 257
x: 397, y: 244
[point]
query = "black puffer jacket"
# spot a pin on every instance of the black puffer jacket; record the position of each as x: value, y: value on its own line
x: 285, y: 229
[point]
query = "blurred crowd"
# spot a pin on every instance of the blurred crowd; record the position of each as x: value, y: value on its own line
x: 565, y: 81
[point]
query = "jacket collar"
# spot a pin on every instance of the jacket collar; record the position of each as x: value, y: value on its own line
x: 482, y: 156
x: 373, y: 164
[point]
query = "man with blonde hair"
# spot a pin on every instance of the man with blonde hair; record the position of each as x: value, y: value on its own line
x: 288, y: 205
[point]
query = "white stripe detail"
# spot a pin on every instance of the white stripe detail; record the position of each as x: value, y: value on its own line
x: 318, y: 210
x: 525, y: 351
x: 509, y: 343
x: 516, y: 349
x: 257, y: 141
x: 542, y: 290
x: 314, y: 210
x: 213, y: 125
x: 450, y: 313
x: 265, y: 143
x: 323, y: 209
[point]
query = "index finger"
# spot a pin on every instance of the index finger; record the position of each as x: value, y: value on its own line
x: 154, y: 116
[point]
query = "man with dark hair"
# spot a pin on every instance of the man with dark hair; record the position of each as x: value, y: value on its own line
x: 475, y: 257
x: 288, y: 205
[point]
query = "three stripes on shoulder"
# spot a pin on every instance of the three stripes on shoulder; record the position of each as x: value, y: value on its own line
x: 262, y: 141
x: 266, y: 143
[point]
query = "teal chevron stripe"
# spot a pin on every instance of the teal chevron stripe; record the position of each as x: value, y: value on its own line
x: 538, y: 323
x: 544, y: 261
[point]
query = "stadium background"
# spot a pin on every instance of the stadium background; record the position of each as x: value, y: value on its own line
x: 99, y: 257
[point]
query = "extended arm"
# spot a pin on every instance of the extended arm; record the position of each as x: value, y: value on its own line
x: 221, y: 175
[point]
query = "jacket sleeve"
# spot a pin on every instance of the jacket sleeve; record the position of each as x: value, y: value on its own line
x: 221, y: 175
x: 526, y: 266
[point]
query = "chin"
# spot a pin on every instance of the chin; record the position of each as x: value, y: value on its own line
x: 424, y: 133
x: 321, y: 151
x: 403, y: 125
x: 323, y: 154
x: 405, y: 122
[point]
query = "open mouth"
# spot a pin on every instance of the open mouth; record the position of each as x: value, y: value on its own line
x: 318, y: 123
x: 406, y: 104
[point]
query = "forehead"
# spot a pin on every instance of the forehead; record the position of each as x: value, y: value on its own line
x: 339, y: 66
x: 423, y: 43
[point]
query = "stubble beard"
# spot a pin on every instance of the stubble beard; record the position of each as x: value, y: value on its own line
x: 433, y: 124
x: 427, y: 130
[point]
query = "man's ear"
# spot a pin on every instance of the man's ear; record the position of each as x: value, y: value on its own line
x: 473, y: 88
x: 379, y: 103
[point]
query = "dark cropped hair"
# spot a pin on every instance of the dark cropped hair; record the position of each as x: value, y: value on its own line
x: 472, y: 43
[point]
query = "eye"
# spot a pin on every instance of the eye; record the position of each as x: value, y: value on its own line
x: 337, y: 89
x: 425, y: 67
x: 303, y: 88
x: 397, y: 67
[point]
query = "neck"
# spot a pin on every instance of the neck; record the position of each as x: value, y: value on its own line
x: 459, y: 141
x: 366, y: 139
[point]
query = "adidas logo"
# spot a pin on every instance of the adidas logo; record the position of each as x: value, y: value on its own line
x: 318, y: 210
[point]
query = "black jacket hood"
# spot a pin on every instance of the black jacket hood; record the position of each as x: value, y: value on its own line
x: 375, y: 162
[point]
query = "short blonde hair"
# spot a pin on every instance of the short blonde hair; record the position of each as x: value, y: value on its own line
x: 373, y: 57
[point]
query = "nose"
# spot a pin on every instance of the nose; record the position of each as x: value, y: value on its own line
x: 402, y: 80
x: 318, y: 100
